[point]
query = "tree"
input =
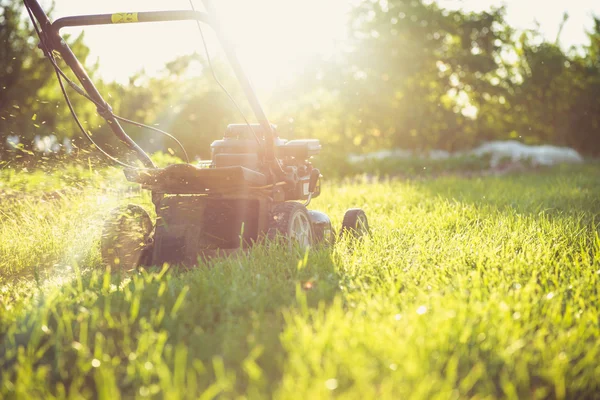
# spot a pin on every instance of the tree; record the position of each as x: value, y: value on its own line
x: 584, y: 111
x: 22, y: 72
x: 30, y: 100
x: 190, y: 106
x: 411, y: 75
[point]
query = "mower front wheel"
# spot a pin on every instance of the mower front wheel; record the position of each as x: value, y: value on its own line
x: 355, y: 223
x: 290, y: 221
x: 126, y: 238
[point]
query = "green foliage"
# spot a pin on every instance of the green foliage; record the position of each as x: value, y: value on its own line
x: 480, y: 288
x: 408, y: 78
x: 415, y: 76
x: 180, y: 101
x: 31, y: 103
x: 410, y: 74
x: 22, y: 72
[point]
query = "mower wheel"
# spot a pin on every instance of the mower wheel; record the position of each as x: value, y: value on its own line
x: 355, y: 223
x: 290, y: 221
x: 126, y: 237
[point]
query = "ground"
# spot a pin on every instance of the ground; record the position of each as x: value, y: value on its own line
x: 479, y: 287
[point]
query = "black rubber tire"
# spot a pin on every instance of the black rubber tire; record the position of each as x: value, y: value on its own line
x: 281, y: 224
x: 355, y: 223
x: 126, y: 237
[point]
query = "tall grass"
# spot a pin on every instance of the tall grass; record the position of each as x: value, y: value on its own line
x: 483, y: 287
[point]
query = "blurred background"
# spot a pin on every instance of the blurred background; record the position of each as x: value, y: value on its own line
x: 362, y: 76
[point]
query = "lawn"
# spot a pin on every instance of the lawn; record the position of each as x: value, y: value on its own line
x: 480, y: 287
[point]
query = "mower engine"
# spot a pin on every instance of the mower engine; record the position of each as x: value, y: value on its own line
x: 239, y: 147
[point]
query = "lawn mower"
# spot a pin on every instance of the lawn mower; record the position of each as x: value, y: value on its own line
x: 255, y: 188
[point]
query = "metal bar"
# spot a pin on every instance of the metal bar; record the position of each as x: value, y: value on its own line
x: 70, y: 59
x: 245, y: 83
x: 130, y: 17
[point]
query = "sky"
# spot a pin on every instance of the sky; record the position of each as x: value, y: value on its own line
x: 275, y: 38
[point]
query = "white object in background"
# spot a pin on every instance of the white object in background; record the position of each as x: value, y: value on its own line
x: 515, y: 151
x: 438, y: 155
x: 499, y: 151
x: 380, y: 155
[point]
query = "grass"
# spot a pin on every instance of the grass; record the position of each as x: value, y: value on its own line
x: 484, y: 287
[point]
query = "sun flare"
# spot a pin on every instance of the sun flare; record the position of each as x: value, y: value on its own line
x: 273, y: 38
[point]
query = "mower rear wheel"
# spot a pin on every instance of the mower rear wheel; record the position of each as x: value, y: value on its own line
x: 355, y: 223
x: 291, y: 222
x: 125, y: 237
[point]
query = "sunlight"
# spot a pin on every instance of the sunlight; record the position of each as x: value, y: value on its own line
x: 276, y: 38
x: 273, y: 38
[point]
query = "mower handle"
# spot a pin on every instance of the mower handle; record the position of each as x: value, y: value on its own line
x: 130, y: 17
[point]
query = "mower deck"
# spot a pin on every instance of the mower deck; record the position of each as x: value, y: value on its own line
x: 188, y: 179
x: 192, y: 226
